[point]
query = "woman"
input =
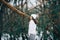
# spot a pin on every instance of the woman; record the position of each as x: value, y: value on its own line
x: 32, y: 27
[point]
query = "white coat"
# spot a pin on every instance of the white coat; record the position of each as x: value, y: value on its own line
x: 32, y: 28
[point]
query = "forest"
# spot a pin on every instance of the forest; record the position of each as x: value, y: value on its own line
x: 15, y: 14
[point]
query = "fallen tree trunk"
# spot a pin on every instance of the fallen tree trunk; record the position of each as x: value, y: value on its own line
x: 14, y: 9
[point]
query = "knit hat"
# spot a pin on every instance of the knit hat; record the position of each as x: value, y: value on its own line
x: 34, y: 16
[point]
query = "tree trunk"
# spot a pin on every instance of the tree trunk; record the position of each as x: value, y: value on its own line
x: 13, y: 8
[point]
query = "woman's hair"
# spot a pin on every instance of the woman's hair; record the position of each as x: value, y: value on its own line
x: 34, y: 20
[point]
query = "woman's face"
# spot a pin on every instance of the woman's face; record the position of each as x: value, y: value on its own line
x: 30, y: 17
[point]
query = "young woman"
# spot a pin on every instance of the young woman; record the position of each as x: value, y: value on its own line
x: 32, y: 27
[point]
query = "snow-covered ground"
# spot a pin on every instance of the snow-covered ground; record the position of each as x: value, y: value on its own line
x: 7, y: 37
